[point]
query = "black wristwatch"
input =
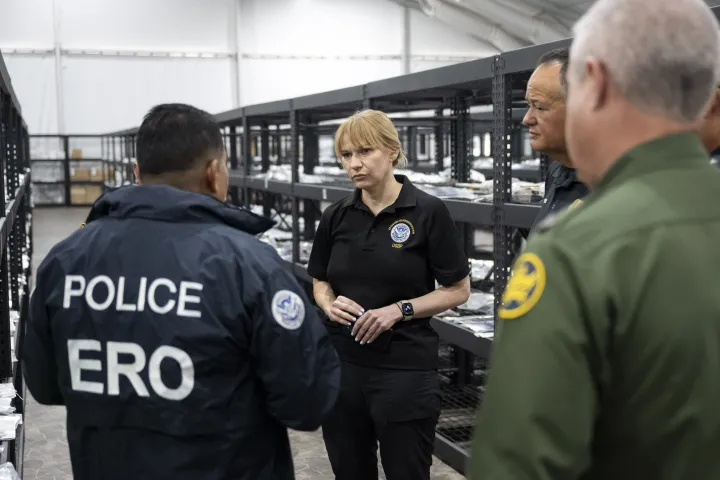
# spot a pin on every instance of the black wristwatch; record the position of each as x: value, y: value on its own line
x: 407, y: 310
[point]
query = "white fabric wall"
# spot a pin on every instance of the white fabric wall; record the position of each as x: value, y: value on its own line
x: 106, y: 93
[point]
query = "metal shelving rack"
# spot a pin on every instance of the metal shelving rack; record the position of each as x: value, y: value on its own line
x: 449, y: 92
x: 16, y: 248
x: 259, y: 137
x: 67, y: 186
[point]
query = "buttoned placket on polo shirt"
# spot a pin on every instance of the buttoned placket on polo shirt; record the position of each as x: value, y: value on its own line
x: 406, y: 199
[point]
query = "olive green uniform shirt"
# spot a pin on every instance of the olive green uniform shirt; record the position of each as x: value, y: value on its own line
x: 608, y: 363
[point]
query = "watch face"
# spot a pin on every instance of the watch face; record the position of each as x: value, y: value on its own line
x: 407, y: 308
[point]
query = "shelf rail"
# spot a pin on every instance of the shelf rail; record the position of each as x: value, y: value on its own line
x: 16, y: 249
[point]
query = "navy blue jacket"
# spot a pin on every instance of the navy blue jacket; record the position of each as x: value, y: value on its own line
x: 562, y: 189
x: 179, y: 343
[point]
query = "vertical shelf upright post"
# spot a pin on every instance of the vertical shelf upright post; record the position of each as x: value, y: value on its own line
x: 412, y: 148
x: 234, y: 193
x: 268, y: 200
x: 5, y: 110
x: 265, y: 147
x: 5, y: 352
x: 67, y: 171
x: 12, y: 173
x: 295, y: 176
x: 246, y: 156
x: 461, y: 144
x: 461, y: 148
x: 311, y: 154
x: 439, y: 134
x: 502, y: 176
x: 133, y: 157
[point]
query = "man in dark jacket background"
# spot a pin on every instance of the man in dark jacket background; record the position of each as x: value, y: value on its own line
x: 546, y: 95
x: 179, y: 343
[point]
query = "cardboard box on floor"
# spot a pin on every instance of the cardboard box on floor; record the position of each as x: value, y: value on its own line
x: 77, y: 195
x: 92, y: 193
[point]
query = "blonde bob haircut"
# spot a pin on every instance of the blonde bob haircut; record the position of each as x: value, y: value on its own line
x: 371, y: 128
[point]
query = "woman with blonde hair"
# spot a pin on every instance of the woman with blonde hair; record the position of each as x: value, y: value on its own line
x: 375, y: 260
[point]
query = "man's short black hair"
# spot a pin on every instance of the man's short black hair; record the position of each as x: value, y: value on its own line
x: 561, y: 56
x: 174, y: 137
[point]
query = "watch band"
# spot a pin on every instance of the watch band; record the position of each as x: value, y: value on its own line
x: 399, y: 305
x: 402, y: 312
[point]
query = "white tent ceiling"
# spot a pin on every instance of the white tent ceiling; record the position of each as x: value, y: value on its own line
x: 508, y: 24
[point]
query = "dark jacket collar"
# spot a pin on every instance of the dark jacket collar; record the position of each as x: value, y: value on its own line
x: 166, y: 203
x: 407, y: 197
x: 562, y: 175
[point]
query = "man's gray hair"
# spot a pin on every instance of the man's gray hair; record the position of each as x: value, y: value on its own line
x: 661, y: 54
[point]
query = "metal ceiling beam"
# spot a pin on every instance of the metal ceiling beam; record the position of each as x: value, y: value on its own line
x: 528, y: 8
x: 521, y: 25
x: 414, y: 5
x: 407, y: 3
x: 563, y: 14
x: 551, y: 19
x: 572, y: 3
x: 471, y: 23
x: 521, y: 8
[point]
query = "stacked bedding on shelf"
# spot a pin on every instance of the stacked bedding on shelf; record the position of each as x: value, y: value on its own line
x: 9, y: 420
x: 486, y: 163
x: 479, y: 189
x: 480, y: 325
x: 8, y: 472
x: 475, y: 315
x: 280, y: 238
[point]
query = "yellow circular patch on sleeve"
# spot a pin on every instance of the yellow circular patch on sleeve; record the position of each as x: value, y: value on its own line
x: 525, y: 287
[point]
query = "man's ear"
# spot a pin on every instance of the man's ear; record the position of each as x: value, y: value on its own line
x: 136, y: 172
x: 599, y: 82
x: 714, y: 109
x: 212, y: 174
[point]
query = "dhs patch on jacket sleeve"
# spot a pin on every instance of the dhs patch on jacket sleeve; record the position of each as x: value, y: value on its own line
x: 288, y: 309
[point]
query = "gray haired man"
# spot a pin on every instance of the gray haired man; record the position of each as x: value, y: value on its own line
x: 608, y: 365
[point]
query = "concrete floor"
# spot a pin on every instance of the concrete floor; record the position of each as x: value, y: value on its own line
x: 46, y: 451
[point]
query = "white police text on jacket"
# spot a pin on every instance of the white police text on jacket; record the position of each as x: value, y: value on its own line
x: 114, y: 293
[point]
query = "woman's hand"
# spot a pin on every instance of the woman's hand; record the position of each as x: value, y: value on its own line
x: 344, y: 311
x: 374, y: 322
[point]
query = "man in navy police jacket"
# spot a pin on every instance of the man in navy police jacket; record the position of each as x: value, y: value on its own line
x: 179, y: 343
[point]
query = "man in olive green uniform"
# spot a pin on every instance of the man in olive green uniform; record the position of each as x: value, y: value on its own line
x: 608, y: 363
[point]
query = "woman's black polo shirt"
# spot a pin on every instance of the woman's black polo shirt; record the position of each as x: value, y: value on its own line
x: 378, y: 261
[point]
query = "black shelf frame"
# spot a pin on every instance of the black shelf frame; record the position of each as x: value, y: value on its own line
x: 518, y: 215
x: 449, y: 93
x: 67, y: 163
x: 15, y: 246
